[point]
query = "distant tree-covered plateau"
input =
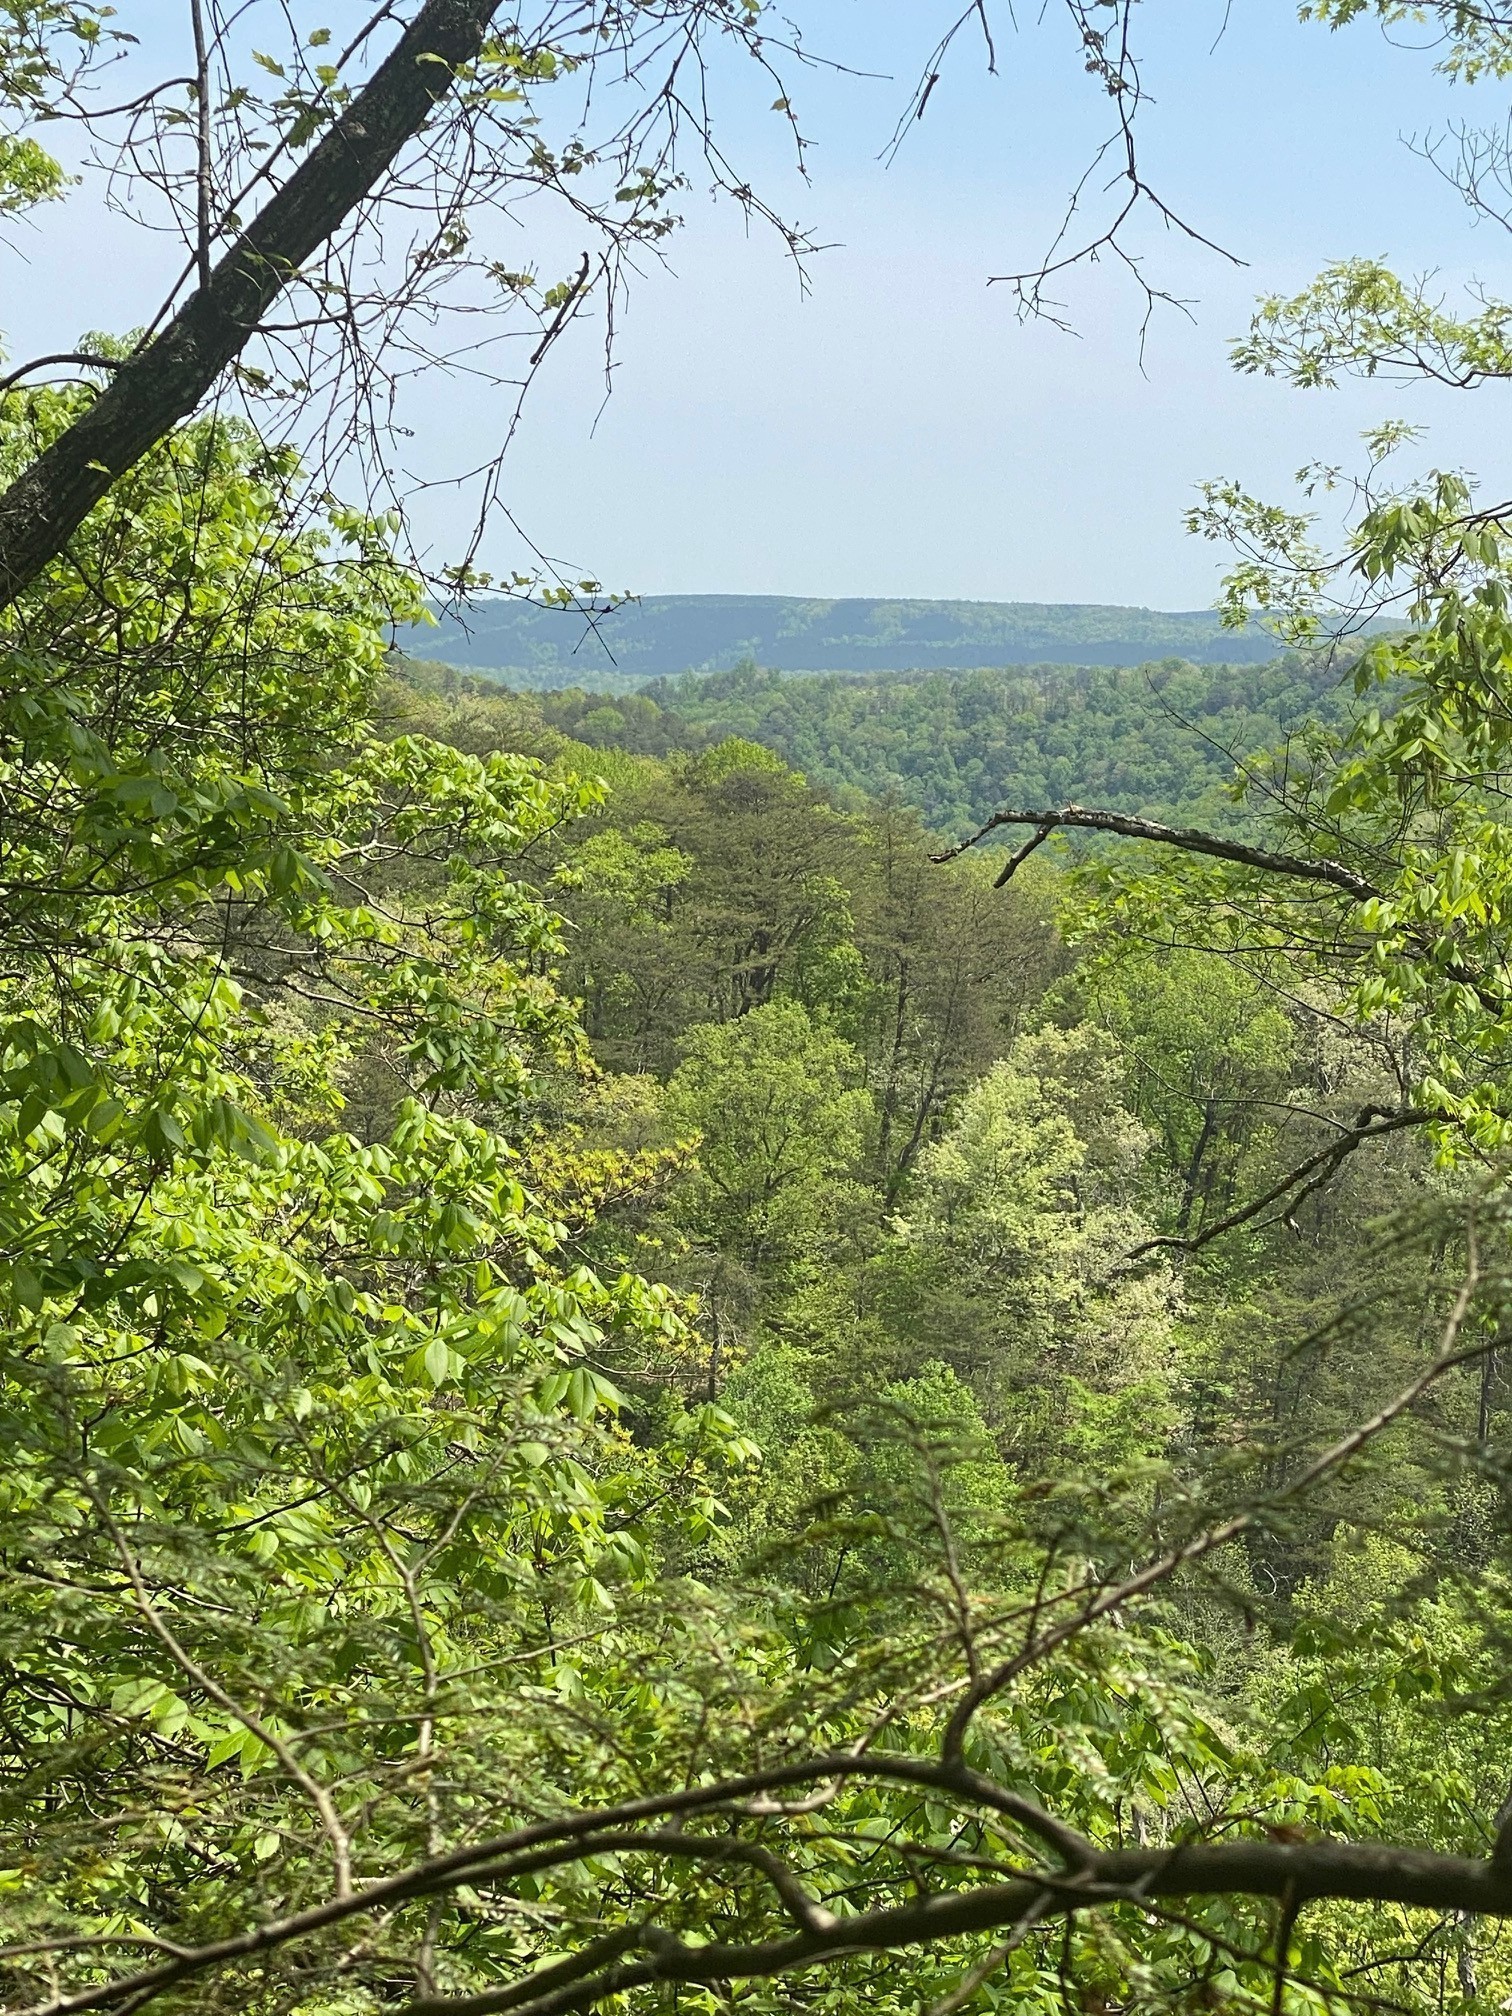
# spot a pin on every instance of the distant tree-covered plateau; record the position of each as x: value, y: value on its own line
x: 659, y: 636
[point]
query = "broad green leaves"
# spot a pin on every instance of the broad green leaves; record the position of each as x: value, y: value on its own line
x: 1358, y: 318
x: 312, y: 1468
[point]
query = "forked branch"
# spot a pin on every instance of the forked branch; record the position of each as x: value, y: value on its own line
x: 636, y: 1956
x: 1189, y: 839
x: 1298, y: 1183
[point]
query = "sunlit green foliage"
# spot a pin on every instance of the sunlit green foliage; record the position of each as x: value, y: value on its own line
x: 365, y: 1497
x: 780, y: 1122
x: 311, y: 1455
x: 525, y: 1290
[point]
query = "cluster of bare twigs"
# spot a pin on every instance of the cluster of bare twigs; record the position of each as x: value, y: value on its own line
x: 325, y: 271
x: 357, y: 275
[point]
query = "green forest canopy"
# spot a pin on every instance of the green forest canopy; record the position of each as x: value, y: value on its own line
x: 1163, y: 739
x: 620, y: 1383
x: 620, y: 1388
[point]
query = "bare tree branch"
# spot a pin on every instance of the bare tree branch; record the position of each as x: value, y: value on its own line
x: 633, y: 1956
x: 1299, y: 1182
x: 1365, y: 1872
x: 87, y: 358
x: 1190, y: 839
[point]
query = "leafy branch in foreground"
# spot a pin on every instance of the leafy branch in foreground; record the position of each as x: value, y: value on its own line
x: 780, y: 1842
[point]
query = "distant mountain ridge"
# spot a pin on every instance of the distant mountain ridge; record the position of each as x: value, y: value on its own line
x: 661, y: 636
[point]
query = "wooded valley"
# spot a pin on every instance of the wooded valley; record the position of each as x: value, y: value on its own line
x: 817, y: 1344
x: 1162, y: 738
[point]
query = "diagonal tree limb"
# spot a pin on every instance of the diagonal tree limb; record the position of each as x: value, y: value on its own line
x: 594, y: 1958
x: 677, y: 1845
x: 317, y: 1794
x: 1190, y: 839
x: 1298, y: 1182
x: 152, y: 391
x: 976, y: 1977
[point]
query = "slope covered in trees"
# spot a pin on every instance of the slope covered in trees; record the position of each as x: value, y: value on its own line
x: 616, y: 1382
x: 656, y: 636
x: 626, y: 1385
x: 1157, y: 738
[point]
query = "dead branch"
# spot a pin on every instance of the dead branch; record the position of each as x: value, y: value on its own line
x: 1189, y: 839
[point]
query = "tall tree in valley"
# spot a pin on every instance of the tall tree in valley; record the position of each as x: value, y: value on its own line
x: 954, y: 971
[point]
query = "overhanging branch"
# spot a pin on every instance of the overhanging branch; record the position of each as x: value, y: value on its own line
x: 1086, y: 1876
x: 640, y: 1954
x: 1189, y: 839
x: 1362, y: 1872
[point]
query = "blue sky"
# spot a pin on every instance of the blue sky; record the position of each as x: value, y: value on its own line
x: 895, y: 430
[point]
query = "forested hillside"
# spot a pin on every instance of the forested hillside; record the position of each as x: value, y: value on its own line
x: 1158, y: 738
x: 655, y: 636
x: 601, y: 1351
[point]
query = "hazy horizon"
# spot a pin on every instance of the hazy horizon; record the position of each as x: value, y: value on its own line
x: 885, y: 427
